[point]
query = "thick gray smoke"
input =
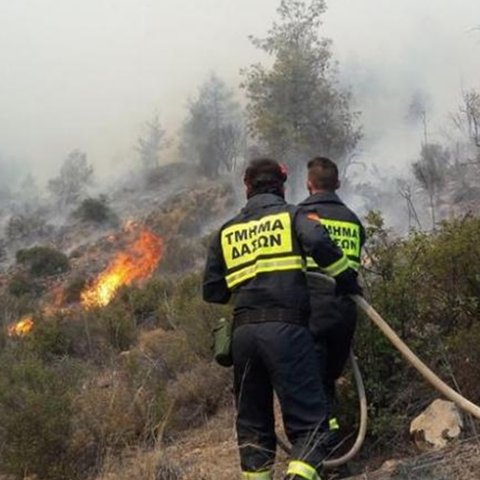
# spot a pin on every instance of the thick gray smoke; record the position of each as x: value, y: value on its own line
x: 87, y: 74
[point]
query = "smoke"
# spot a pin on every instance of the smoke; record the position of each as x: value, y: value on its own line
x: 401, y: 58
x: 88, y: 74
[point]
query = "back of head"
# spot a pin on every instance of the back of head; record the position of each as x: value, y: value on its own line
x: 323, y: 174
x: 264, y: 175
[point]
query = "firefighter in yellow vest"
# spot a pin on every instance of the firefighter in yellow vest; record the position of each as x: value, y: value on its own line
x: 258, y: 258
x: 333, y: 317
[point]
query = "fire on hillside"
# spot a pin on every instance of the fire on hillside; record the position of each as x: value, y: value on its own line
x: 136, y: 262
x: 22, y: 327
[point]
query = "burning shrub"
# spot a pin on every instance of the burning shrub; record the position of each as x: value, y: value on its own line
x: 14, y: 308
x: 96, y: 210
x: 43, y: 261
x: 137, y: 262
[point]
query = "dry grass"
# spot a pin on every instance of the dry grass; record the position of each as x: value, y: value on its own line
x: 207, y: 453
x: 460, y: 461
x: 210, y: 453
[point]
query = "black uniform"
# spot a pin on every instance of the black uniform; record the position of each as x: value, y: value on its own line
x: 259, y: 257
x: 333, y: 318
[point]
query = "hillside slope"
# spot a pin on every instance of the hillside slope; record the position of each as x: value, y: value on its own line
x: 210, y: 453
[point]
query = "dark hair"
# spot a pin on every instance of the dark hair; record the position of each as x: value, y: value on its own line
x: 323, y: 173
x: 264, y: 175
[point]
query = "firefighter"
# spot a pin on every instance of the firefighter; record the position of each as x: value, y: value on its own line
x: 258, y: 258
x: 333, y: 318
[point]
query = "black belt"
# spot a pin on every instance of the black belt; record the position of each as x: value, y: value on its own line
x: 296, y: 317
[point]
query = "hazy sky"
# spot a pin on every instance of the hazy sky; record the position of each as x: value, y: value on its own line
x: 87, y: 73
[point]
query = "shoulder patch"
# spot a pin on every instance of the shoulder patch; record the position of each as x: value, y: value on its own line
x: 314, y: 217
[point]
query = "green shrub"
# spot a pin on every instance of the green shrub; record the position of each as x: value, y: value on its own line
x: 35, y: 412
x: 426, y: 285
x: 118, y: 324
x: 43, y: 261
x: 194, y: 316
x: 148, y: 301
x: 96, y: 210
x: 49, y: 338
x: 20, y: 285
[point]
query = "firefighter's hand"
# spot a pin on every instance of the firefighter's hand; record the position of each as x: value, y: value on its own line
x: 347, y: 283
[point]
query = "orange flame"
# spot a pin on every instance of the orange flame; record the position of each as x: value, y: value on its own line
x: 21, y: 328
x: 136, y: 263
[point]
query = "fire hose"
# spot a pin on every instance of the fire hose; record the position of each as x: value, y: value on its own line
x: 412, y: 359
x: 362, y: 429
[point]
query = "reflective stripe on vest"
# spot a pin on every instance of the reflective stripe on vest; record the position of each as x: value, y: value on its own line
x: 354, y: 264
x: 333, y: 424
x: 257, y: 475
x: 313, y: 265
x: 303, y: 470
x: 335, y: 268
x: 294, y: 262
x: 243, y: 243
x: 259, y: 246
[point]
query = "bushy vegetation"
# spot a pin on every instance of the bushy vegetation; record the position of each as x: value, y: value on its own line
x: 96, y: 210
x: 35, y: 416
x: 20, y: 285
x: 85, y: 384
x: 428, y: 288
x: 43, y: 261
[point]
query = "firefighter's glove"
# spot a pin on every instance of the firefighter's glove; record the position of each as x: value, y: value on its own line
x: 347, y: 283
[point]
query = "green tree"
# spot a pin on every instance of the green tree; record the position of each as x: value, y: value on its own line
x: 151, y: 143
x: 74, y: 178
x: 296, y: 107
x: 213, y: 133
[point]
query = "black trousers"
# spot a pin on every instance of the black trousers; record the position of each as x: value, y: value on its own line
x: 332, y: 322
x: 280, y: 357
